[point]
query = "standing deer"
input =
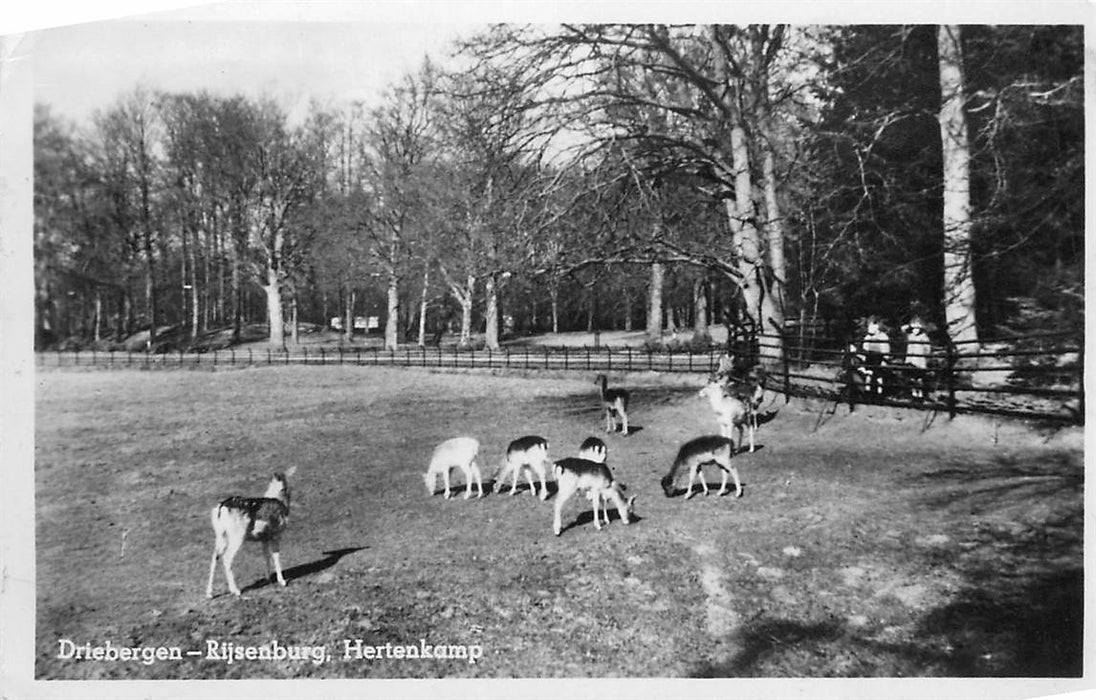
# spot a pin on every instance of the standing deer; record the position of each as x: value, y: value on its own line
x: 615, y: 403
x: 238, y: 519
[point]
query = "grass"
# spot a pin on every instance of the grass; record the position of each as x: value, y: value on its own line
x: 865, y: 544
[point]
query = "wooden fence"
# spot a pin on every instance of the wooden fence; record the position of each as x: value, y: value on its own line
x: 1039, y: 377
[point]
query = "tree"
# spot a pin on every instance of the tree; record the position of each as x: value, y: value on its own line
x: 697, y: 100
x: 131, y: 132
x: 398, y: 140
x: 958, y: 267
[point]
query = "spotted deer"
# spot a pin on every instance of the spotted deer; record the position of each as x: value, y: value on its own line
x: 574, y: 474
x: 238, y: 519
x: 691, y: 458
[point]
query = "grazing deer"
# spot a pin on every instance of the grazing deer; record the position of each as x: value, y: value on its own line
x: 237, y: 519
x: 574, y: 474
x: 733, y: 412
x: 459, y: 452
x: 692, y: 457
x: 593, y: 449
x: 527, y: 454
x: 615, y: 403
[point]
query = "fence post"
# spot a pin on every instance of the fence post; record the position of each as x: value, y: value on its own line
x: 526, y: 357
x: 566, y: 358
x: 629, y: 358
x: 587, y: 357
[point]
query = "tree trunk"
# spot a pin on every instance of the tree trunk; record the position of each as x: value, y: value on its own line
x: 237, y: 297
x: 774, y: 228
x: 745, y: 237
x: 150, y: 289
x: 294, y: 326
x: 700, y: 312
x: 654, y: 303
x: 195, y: 310
x: 959, y: 297
x: 348, y: 314
x: 422, y: 307
x: 464, y: 297
x: 98, y: 313
x: 274, y: 308
x: 553, y: 293
x: 392, y: 323
x: 491, y: 312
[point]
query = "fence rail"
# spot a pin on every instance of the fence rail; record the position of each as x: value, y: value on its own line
x: 1027, y: 382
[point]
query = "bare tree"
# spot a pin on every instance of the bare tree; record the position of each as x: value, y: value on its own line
x: 398, y: 141
x: 959, y: 297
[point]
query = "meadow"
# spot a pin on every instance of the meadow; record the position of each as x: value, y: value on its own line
x: 878, y: 543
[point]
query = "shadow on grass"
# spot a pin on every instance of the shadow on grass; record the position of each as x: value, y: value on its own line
x: 698, y: 490
x: 1018, y: 613
x: 1033, y: 632
x: 329, y: 559
x: 587, y: 517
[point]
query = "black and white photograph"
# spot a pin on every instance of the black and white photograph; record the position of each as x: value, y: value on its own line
x: 487, y: 349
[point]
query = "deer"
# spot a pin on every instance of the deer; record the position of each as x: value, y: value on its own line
x: 238, y: 519
x: 574, y: 474
x: 694, y: 454
x: 459, y: 452
x: 593, y: 449
x: 527, y: 454
x: 615, y: 403
x: 733, y: 412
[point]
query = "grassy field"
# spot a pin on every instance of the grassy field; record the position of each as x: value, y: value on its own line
x: 873, y: 544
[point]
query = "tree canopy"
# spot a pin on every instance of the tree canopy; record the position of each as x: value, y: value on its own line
x: 587, y: 176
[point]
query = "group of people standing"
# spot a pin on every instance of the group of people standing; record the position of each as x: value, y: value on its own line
x: 875, y: 364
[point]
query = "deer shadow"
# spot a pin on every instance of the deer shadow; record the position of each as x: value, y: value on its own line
x: 745, y: 449
x: 329, y: 559
x: 587, y: 517
x: 698, y: 490
x: 522, y: 489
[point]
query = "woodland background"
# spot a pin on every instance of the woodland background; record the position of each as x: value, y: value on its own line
x: 582, y: 177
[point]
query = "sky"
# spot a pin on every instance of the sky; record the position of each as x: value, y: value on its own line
x: 85, y: 55
x: 79, y: 69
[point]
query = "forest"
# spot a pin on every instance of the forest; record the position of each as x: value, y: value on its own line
x: 544, y: 179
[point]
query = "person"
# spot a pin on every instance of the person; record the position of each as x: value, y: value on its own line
x: 876, y: 350
x: 917, y: 355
